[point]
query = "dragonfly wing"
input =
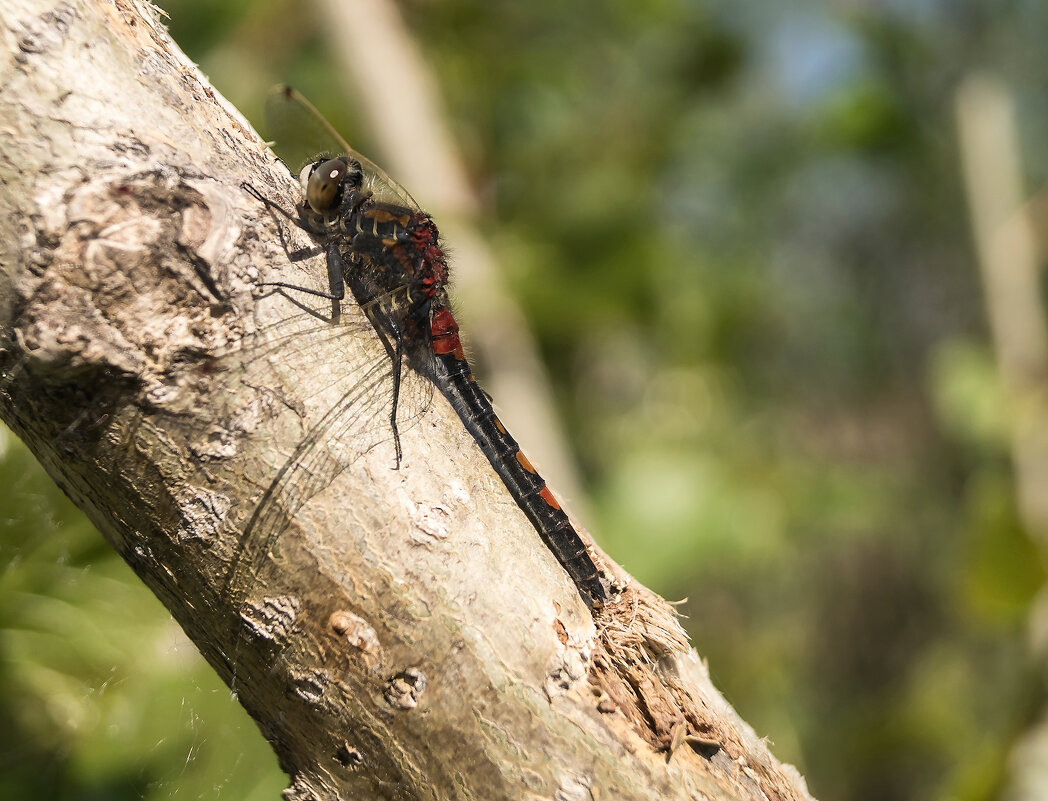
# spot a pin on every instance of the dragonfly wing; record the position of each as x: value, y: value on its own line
x: 349, y: 417
x: 330, y: 446
x: 301, y: 135
x: 358, y: 422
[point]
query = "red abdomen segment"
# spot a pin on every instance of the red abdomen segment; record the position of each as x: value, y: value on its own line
x: 455, y: 381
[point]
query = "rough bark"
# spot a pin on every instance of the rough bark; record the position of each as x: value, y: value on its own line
x: 406, y: 635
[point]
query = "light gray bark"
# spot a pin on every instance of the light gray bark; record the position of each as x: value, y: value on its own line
x: 406, y: 635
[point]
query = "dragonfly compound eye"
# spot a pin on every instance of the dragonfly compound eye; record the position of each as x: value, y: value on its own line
x: 322, y: 188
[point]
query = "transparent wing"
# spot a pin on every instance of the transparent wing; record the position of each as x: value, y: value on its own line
x: 355, y: 423
x: 301, y: 134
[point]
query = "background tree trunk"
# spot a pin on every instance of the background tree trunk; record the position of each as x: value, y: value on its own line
x: 408, y: 636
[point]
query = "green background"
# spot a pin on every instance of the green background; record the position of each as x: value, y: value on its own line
x: 739, y: 233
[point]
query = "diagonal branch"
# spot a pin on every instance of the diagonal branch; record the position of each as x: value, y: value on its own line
x: 395, y: 633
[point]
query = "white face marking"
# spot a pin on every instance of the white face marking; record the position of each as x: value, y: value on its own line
x: 333, y: 173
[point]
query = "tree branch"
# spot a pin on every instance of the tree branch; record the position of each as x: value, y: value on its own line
x: 406, y: 635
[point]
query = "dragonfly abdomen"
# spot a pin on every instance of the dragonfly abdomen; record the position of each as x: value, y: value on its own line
x: 455, y: 381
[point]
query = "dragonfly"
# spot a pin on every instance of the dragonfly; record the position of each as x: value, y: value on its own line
x: 386, y: 250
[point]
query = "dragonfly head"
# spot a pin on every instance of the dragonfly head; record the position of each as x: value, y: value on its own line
x: 323, y: 182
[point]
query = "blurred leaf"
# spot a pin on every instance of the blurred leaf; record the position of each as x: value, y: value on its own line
x: 104, y: 697
x: 967, y: 395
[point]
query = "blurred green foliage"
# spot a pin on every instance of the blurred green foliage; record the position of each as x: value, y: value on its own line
x: 103, y: 696
x: 739, y: 232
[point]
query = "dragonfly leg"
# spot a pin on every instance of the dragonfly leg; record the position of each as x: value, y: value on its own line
x: 336, y: 282
x: 265, y: 201
x: 398, y: 361
x: 392, y: 340
x: 303, y: 253
x: 293, y: 255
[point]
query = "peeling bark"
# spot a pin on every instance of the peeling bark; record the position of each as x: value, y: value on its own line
x: 395, y: 633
